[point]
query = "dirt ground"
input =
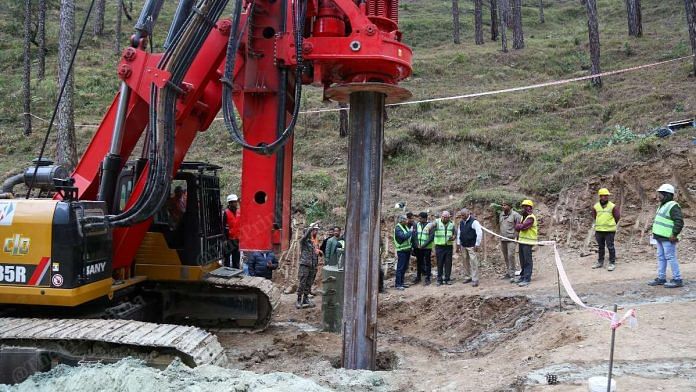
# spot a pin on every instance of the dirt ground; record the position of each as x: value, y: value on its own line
x: 500, y: 337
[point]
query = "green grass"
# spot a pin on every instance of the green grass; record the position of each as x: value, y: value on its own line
x: 534, y: 143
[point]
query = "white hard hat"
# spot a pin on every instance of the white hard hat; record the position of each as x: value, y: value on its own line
x: 666, y: 188
x: 232, y: 197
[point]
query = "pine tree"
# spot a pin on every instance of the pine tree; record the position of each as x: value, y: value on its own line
x: 456, y: 26
x: 66, y: 153
x: 517, y: 35
x: 26, y: 75
x: 593, y: 31
x: 478, y: 22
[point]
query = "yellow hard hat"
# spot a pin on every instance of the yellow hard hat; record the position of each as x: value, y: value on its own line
x: 604, y: 192
x: 527, y: 202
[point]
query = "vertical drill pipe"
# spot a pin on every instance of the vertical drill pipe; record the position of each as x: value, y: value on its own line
x: 364, y: 198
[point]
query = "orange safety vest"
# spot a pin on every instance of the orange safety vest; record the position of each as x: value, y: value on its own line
x: 232, y: 220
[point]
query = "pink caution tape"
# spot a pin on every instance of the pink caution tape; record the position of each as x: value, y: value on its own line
x: 629, y: 318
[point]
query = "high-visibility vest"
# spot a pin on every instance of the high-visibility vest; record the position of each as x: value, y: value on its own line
x: 663, y: 225
x: 443, y: 232
x: 530, y: 235
x: 605, y: 221
x: 402, y: 246
x: 423, y: 235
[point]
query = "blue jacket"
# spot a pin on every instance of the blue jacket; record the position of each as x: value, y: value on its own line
x: 262, y: 264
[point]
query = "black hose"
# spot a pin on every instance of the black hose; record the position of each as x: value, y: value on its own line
x: 227, y: 102
x: 60, y: 97
x: 177, y: 60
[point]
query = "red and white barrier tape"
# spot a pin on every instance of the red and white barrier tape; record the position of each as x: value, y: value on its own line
x: 629, y: 318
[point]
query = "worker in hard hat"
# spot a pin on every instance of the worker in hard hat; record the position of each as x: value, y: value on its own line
x: 231, y: 220
x: 606, y: 215
x: 668, y: 224
x: 527, y: 231
x: 423, y: 237
x: 402, y: 244
x: 309, y: 262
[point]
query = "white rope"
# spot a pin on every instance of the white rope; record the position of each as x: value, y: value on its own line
x: 629, y: 318
x: 472, y: 95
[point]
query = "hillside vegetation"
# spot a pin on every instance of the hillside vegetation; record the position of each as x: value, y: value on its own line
x: 537, y: 142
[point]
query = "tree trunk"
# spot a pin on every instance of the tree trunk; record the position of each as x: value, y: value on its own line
x: 41, y: 71
x: 26, y: 75
x: 478, y: 22
x: 635, y: 23
x: 541, y: 12
x: 343, y: 120
x: 502, y: 17
x: 508, y: 14
x: 66, y: 154
x: 593, y: 29
x: 99, y: 17
x: 517, y: 35
x: 691, y: 25
x: 494, y: 20
x: 455, y: 22
x: 117, y: 34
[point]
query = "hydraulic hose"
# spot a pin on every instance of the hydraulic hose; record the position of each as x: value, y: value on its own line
x: 227, y: 102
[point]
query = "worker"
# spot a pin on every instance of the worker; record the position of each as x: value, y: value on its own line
x: 176, y: 206
x: 666, y: 228
x: 528, y: 234
x: 507, y: 221
x: 231, y: 223
x: 423, y: 238
x: 309, y: 260
x: 334, y: 246
x: 606, y: 215
x: 402, y: 244
x: 262, y: 264
x: 469, y: 236
x: 443, y: 240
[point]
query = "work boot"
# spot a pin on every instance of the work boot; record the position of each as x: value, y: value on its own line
x: 523, y: 283
x: 448, y: 282
x: 657, y: 282
x: 516, y: 280
x: 307, y: 303
x: 466, y: 280
x: 438, y: 284
x: 474, y: 283
x: 611, y: 267
x: 598, y: 264
x: 427, y: 282
x: 416, y: 280
x: 674, y: 283
x: 298, y: 304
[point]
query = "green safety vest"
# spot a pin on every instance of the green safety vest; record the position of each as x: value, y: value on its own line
x: 663, y: 224
x: 605, y: 221
x: 443, y: 233
x: 403, y: 246
x: 423, y: 235
x: 530, y: 235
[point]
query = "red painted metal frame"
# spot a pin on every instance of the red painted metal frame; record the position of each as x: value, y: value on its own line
x: 380, y: 57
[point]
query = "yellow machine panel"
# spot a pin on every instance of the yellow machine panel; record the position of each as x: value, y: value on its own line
x: 25, y: 234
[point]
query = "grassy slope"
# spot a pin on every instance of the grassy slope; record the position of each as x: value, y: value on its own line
x: 534, y: 142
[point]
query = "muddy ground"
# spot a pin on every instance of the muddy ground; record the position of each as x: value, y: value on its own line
x: 500, y: 337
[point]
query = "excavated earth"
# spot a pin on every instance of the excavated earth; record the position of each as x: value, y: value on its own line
x: 496, y: 337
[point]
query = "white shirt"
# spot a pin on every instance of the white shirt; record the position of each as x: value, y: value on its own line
x: 479, y: 233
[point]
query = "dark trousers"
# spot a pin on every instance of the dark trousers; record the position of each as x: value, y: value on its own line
x: 305, y: 275
x: 401, y: 265
x: 443, y: 253
x: 232, y: 254
x: 526, y: 262
x: 606, y: 237
x: 381, y: 280
x: 423, y: 263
